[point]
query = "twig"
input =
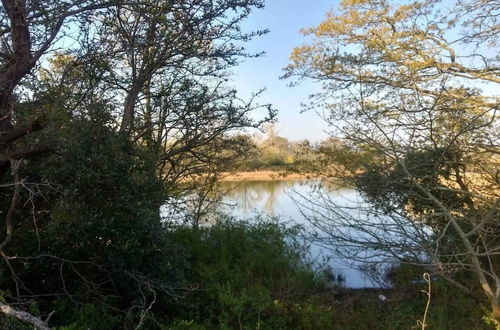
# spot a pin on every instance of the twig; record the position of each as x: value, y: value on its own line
x: 144, y: 312
x: 423, y: 323
x: 13, y: 204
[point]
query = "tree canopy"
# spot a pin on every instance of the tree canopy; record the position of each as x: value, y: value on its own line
x: 411, y: 89
x: 108, y: 110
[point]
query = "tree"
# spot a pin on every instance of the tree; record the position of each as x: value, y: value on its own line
x: 148, y: 77
x: 167, y: 82
x: 410, y: 90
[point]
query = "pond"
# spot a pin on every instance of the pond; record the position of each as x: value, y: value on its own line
x: 278, y: 198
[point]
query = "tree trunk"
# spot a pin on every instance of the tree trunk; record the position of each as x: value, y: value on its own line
x: 129, y: 105
x: 5, y: 119
x: 5, y: 127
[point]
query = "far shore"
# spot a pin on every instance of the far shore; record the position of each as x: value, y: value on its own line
x: 266, y: 175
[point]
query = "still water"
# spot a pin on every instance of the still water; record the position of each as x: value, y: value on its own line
x: 278, y: 198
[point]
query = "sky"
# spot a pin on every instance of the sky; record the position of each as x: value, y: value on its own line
x: 284, y: 19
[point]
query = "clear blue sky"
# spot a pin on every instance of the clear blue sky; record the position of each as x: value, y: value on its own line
x: 284, y: 19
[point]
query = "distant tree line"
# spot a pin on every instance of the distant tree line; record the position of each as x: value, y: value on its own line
x: 270, y: 151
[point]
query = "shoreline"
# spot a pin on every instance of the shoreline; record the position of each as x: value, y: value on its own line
x: 265, y: 176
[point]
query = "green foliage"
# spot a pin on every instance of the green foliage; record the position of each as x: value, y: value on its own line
x: 389, y: 185
x: 279, y: 154
x: 86, y: 316
x: 93, y: 232
x: 449, y: 309
x: 250, y: 275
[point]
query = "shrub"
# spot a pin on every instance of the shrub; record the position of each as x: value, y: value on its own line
x: 249, y: 275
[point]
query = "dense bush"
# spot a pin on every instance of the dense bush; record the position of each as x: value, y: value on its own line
x: 250, y: 275
x: 90, y: 239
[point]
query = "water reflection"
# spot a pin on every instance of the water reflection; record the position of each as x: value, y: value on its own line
x: 249, y: 196
x: 277, y: 198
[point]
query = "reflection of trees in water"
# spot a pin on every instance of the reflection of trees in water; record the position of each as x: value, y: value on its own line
x: 266, y: 195
x: 249, y: 195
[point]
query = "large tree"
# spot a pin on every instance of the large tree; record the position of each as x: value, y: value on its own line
x: 163, y: 67
x: 412, y: 91
x: 147, y: 79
